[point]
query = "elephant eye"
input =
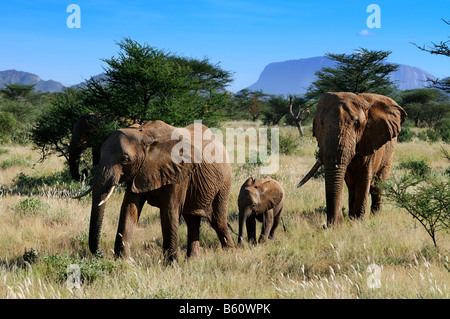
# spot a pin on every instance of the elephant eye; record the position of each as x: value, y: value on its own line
x: 357, y: 123
x: 125, y: 158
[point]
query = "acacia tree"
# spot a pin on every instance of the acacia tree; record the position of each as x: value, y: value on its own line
x: 248, y: 104
x: 141, y: 83
x: 145, y: 83
x: 427, y: 105
x: 426, y: 200
x: 17, y: 91
x: 441, y: 48
x: 365, y: 71
x: 52, y: 130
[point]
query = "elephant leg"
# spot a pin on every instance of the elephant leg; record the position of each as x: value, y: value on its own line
x: 376, y: 193
x: 266, y: 225
x: 250, y: 223
x: 276, y: 222
x: 219, y: 219
x: 129, y: 215
x: 360, y: 198
x: 377, y: 200
x: 170, y: 217
x: 169, y: 226
x: 193, y: 228
x: 351, y: 197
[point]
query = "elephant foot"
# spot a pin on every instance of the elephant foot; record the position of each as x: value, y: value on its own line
x: 262, y: 239
x: 193, y: 250
x: 122, y: 253
x: 170, y: 256
x: 357, y: 216
x: 376, y: 209
x: 336, y: 221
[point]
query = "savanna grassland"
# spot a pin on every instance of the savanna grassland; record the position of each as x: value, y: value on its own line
x: 42, y: 232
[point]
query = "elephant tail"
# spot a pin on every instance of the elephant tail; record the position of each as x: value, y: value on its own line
x: 232, y: 230
x: 282, y: 221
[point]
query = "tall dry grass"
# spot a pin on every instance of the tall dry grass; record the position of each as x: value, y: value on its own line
x: 41, y: 234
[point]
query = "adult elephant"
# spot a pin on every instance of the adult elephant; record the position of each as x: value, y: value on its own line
x: 356, y: 135
x: 157, y: 170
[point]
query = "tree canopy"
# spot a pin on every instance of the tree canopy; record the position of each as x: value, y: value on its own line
x: 141, y: 83
x: 441, y: 48
x: 145, y: 83
x: 364, y: 71
x: 17, y: 91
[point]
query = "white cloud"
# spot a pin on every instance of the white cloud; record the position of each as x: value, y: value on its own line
x: 365, y: 32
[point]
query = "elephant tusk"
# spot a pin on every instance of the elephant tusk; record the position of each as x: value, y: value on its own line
x: 107, y: 196
x: 310, y: 173
x: 83, y: 194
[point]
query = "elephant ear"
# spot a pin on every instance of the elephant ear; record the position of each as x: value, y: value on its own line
x: 384, y: 120
x: 158, y: 167
x: 271, y: 191
x: 327, y: 100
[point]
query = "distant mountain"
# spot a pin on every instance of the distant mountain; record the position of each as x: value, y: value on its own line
x: 295, y: 76
x: 98, y: 77
x: 25, y: 78
x: 288, y: 77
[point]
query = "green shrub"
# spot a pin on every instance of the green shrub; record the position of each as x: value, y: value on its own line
x: 422, y: 135
x: 288, y: 144
x: 416, y: 167
x: 90, y: 268
x: 25, y: 184
x: 426, y: 199
x: 31, y: 206
x: 433, y: 135
x: 17, y: 119
x: 259, y: 161
x: 4, y: 150
x: 16, y: 160
x: 443, y: 129
x: 405, y: 134
x: 447, y: 171
x: 7, y: 123
x: 30, y: 256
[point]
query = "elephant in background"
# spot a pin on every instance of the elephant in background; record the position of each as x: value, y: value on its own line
x: 87, y: 133
x: 262, y: 200
x: 142, y: 158
x: 83, y: 137
x: 356, y: 135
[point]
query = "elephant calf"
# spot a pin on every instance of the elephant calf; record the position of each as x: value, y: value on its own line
x: 260, y: 199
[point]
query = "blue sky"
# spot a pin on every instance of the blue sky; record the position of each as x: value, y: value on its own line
x: 243, y: 36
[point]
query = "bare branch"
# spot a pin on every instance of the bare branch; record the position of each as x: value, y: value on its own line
x: 308, y: 112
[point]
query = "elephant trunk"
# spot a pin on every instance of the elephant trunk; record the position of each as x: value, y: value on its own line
x: 334, y: 184
x: 243, y: 215
x: 102, y: 190
x: 335, y: 158
x: 75, y: 152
